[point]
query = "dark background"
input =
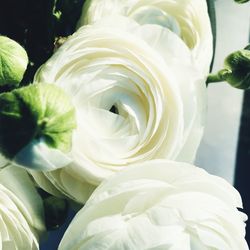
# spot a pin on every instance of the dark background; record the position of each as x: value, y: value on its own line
x: 36, y: 24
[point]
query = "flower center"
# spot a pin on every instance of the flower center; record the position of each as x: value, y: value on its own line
x: 114, y: 110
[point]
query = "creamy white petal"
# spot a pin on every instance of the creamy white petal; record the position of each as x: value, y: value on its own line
x: 155, y: 205
x: 43, y: 157
x: 138, y: 96
x: 21, y: 210
x: 187, y: 18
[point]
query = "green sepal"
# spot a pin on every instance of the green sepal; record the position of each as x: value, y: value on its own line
x: 238, y: 64
x: 38, y: 111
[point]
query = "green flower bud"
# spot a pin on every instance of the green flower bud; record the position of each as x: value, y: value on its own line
x: 241, y: 1
x: 236, y: 70
x: 237, y: 66
x: 36, y: 126
x: 13, y: 62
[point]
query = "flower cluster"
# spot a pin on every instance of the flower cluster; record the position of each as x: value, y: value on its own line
x: 108, y: 123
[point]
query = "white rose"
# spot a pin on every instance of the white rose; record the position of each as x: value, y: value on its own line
x: 189, y: 19
x: 160, y: 205
x: 137, y: 97
x: 21, y: 211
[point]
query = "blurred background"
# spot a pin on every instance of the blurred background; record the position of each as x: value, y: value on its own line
x: 225, y: 148
x: 217, y: 152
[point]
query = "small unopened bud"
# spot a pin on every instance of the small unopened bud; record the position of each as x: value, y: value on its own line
x: 236, y: 70
x: 238, y: 64
x: 14, y: 61
x: 36, y: 126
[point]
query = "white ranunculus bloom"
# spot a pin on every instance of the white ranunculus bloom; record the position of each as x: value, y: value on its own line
x: 137, y: 97
x: 189, y: 19
x: 21, y: 211
x: 160, y: 205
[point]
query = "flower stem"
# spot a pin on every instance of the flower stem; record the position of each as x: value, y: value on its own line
x: 220, y: 76
x: 214, y: 78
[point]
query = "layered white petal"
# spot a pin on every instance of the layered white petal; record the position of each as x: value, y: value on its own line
x: 21, y: 211
x: 187, y: 18
x: 38, y: 156
x: 160, y: 205
x: 137, y: 94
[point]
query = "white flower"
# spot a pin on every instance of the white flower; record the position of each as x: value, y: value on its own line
x: 21, y: 211
x: 137, y: 97
x: 187, y: 18
x: 160, y: 205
